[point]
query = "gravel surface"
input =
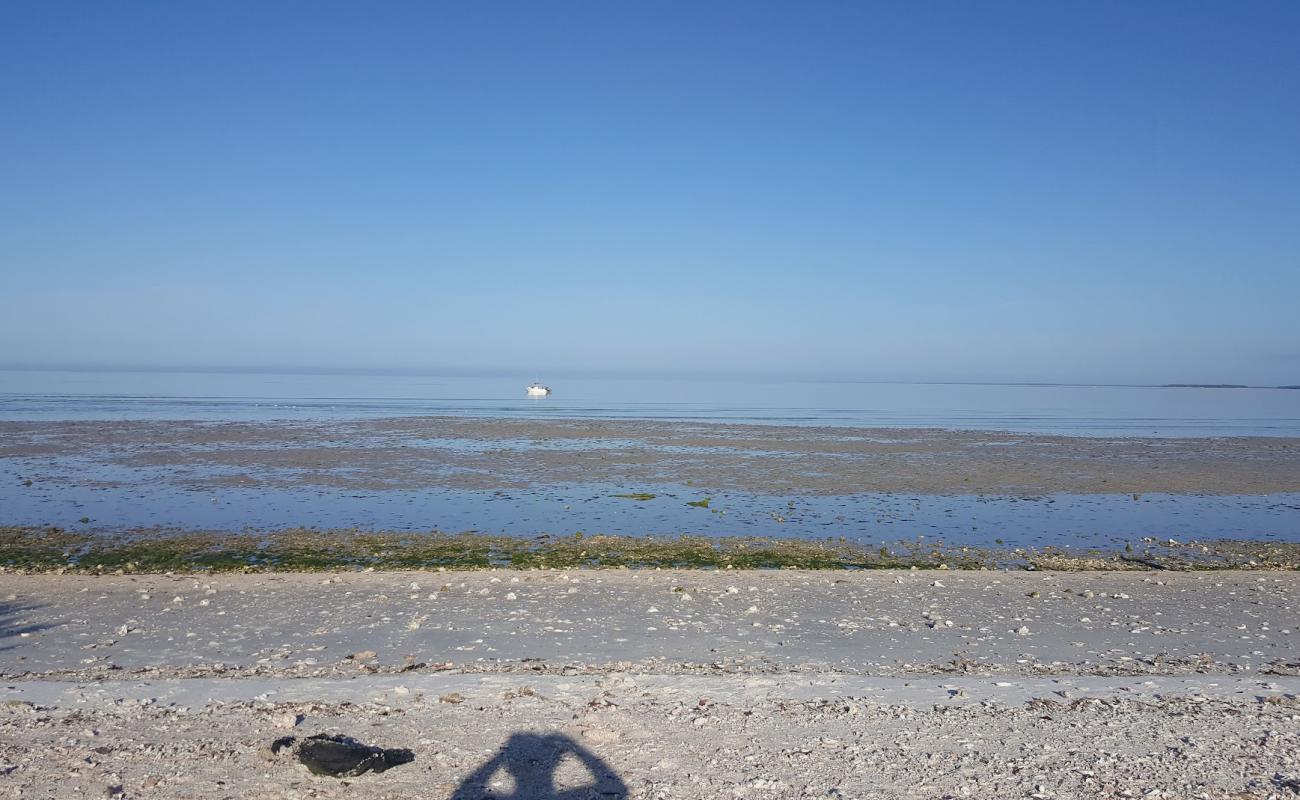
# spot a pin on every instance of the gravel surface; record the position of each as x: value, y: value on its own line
x: 654, y: 684
x: 884, y: 622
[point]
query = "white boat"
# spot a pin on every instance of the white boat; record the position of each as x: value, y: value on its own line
x: 535, y: 389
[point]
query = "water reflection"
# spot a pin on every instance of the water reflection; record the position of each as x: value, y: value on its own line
x: 1080, y: 410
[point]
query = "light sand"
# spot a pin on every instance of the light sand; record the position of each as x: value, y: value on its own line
x: 678, y: 684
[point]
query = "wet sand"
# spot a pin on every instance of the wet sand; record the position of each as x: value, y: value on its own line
x: 460, y: 453
x: 667, y: 684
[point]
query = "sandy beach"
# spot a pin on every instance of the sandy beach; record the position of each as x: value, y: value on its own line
x: 656, y: 684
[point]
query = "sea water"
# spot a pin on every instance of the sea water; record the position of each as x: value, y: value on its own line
x: 1063, y: 520
x: 1080, y: 410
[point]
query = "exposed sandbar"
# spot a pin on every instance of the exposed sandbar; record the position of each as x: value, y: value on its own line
x: 423, y: 452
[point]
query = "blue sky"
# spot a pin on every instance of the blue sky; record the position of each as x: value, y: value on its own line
x: 1081, y: 191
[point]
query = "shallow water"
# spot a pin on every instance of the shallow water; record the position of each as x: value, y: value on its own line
x: 1057, y: 520
x: 119, y: 479
x: 1074, y: 410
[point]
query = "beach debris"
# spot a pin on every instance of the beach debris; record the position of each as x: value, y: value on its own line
x: 1151, y: 563
x: 600, y: 735
x: 338, y: 756
x: 288, y: 721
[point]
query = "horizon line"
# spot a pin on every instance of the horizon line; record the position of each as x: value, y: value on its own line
x: 501, y: 372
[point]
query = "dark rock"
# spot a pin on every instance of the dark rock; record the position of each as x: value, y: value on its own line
x: 340, y: 756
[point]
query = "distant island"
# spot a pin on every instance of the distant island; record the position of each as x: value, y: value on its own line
x: 1220, y: 386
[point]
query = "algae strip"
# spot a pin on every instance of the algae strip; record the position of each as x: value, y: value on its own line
x: 46, y: 549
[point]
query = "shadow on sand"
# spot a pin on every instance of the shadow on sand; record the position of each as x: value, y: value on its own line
x: 529, y: 766
x: 13, y: 624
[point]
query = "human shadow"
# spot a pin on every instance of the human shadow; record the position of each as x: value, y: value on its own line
x: 12, y: 623
x: 531, y: 765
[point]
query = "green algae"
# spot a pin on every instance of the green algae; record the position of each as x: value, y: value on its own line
x: 161, y: 550
x: 155, y: 550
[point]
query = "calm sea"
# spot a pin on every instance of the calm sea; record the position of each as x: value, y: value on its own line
x: 1077, y: 410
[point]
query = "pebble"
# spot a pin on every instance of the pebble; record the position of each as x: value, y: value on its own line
x: 288, y: 721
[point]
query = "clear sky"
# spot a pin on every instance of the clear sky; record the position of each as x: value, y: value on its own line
x: 1088, y: 191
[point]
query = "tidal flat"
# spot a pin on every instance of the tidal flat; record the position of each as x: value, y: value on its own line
x: 504, y: 454
x: 461, y: 492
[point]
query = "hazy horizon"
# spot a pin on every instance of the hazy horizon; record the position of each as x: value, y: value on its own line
x: 998, y: 192
x: 590, y: 373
